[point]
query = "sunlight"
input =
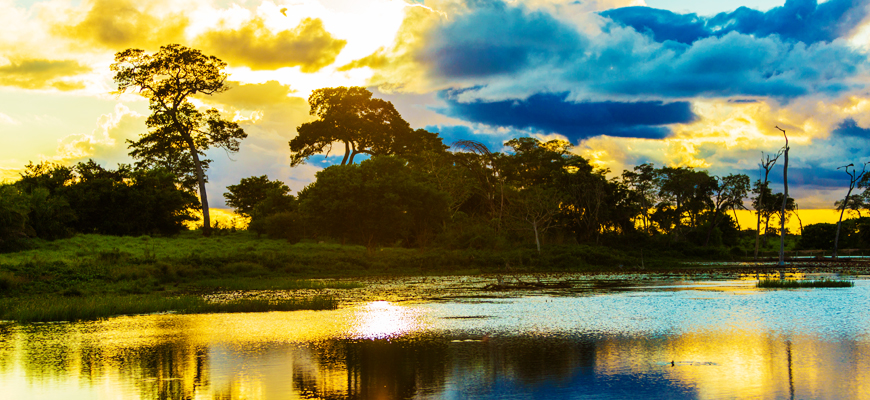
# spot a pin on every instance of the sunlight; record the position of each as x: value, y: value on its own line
x: 383, y: 319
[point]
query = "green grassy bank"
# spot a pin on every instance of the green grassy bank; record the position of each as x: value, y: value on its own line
x: 169, y: 273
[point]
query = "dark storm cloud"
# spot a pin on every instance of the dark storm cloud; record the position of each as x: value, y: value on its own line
x: 733, y: 65
x: 484, y: 44
x: 497, y: 39
x: 553, y: 113
x: 850, y: 128
x: 797, y: 21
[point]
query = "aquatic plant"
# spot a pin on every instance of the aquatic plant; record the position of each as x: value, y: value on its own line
x: 78, y: 307
x: 798, y: 284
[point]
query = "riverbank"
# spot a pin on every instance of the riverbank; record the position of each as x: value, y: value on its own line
x: 84, y: 277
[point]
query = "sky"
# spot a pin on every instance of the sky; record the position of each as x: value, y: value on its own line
x: 670, y: 82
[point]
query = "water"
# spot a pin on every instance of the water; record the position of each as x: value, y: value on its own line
x: 668, y: 340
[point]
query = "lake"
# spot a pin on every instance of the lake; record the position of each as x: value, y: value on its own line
x: 665, y: 339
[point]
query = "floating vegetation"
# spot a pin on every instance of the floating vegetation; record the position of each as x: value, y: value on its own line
x: 798, y: 284
x: 75, y: 308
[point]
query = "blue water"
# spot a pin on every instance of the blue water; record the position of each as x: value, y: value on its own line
x: 668, y: 340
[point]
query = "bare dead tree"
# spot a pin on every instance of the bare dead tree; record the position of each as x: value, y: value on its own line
x: 854, y: 177
x: 767, y: 163
x: 784, y: 199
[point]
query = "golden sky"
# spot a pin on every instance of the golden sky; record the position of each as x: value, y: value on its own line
x: 670, y: 82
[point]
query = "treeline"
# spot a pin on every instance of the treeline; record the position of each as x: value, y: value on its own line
x: 410, y: 190
x: 52, y: 201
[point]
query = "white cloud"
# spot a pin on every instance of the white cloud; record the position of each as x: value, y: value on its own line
x: 5, y: 119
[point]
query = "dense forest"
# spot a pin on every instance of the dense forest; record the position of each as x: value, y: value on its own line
x: 395, y: 185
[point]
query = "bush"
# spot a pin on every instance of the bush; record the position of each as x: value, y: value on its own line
x: 285, y: 225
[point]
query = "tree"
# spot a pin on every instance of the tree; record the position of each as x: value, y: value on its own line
x: 14, y: 207
x: 641, y: 182
x: 728, y: 193
x: 685, y: 194
x: 178, y: 133
x: 250, y: 192
x: 767, y: 163
x: 785, y: 199
x: 536, y: 207
x: 379, y: 201
x: 854, y: 178
x: 128, y: 202
x: 365, y: 125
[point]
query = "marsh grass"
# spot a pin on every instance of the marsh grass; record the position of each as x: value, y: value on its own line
x: 798, y: 284
x: 75, y: 308
x: 274, y: 284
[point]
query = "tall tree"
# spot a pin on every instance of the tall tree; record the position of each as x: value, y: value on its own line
x: 365, y: 125
x: 854, y: 178
x: 176, y: 129
x: 729, y: 192
x: 767, y: 163
x: 784, y: 199
x: 641, y: 182
x: 685, y: 194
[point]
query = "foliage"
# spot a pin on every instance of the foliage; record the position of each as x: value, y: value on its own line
x: 380, y: 201
x: 250, y: 192
x: 283, y: 225
x: 365, y: 125
x: 854, y: 234
x: 125, y: 202
x: 178, y: 133
x: 793, y: 284
x: 14, y: 207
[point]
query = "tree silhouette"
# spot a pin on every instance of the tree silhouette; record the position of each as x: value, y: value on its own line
x: 365, y: 125
x: 767, y: 163
x: 854, y: 177
x: 178, y: 133
x: 784, y: 198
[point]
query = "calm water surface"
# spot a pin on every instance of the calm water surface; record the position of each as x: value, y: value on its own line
x: 697, y: 340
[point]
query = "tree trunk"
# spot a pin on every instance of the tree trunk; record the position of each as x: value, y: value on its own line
x: 842, y: 211
x: 710, y: 231
x: 203, y: 196
x: 346, y: 153
x: 537, y: 238
x: 757, y: 231
x: 784, y: 202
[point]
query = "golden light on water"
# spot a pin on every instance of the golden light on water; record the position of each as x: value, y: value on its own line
x: 383, y: 319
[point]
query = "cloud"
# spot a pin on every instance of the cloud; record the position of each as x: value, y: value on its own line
x: 270, y: 106
x: 5, y: 119
x: 118, y: 24
x: 43, y: 74
x: 497, y: 39
x: 308, y: 45
x: 797, y: 21
x: 107, y: 143
x: 850, y: 128
x: 553, y: 113
x: 513, y: 53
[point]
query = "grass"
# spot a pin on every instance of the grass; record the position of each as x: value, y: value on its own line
x: 274, y: 284
x: 94, y: 276
x: 71, y: 308
x: 798, y: 284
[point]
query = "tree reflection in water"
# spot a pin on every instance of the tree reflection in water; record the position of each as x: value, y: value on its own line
x: 744, y: 344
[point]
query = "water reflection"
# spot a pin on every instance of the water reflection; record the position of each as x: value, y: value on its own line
x: 657, y: 344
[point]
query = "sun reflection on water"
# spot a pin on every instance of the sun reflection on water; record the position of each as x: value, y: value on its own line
x: 384, y: 320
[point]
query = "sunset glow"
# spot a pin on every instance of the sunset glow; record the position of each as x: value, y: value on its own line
x: 625, y: 81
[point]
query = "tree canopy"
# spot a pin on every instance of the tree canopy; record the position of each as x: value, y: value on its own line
x: 365, y: 125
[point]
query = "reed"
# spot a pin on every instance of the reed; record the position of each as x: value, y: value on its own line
x: 798, y: 284
x: 73, y: 308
